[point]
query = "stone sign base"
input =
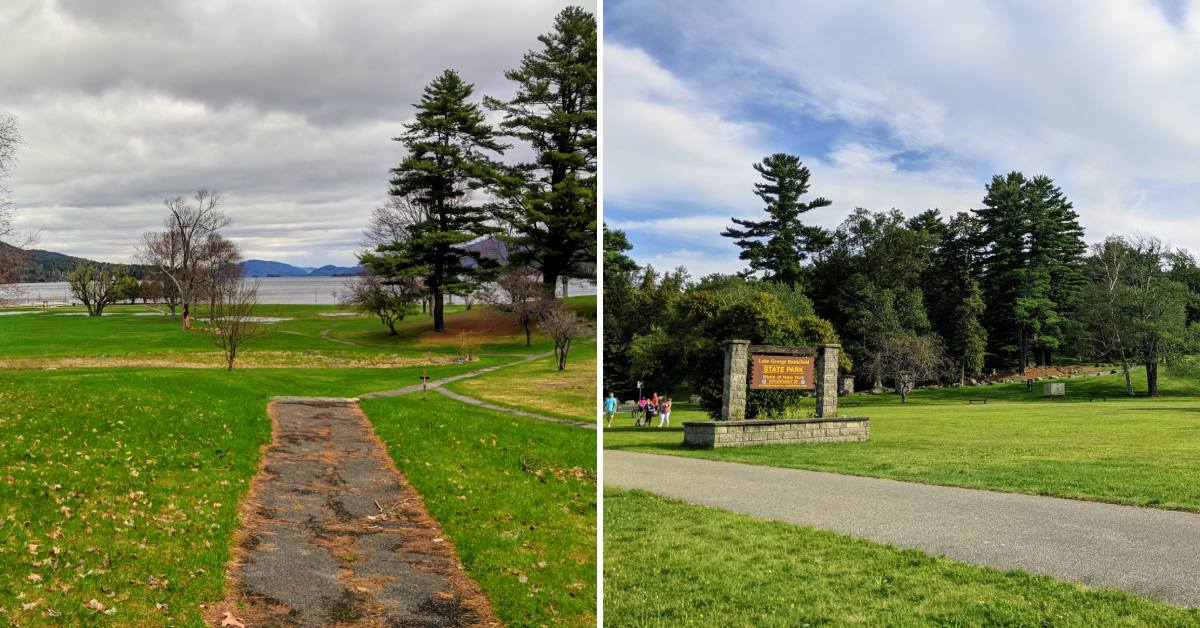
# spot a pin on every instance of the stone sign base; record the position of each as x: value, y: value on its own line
x: 782, y: 432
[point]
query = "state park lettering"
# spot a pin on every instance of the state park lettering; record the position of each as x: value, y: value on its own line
x: 778, y: 372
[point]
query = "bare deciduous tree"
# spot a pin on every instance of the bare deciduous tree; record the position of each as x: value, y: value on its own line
x: 13, y: 255
x: 96, y: 287
x: 908, y: 359
x: 390, y: 301
x: 219, y: 263
x: 563, y: 326
x: 520, y: 292
x: 10, y: 140
x: 393, y: 222
x: 178, y: 251
x: 235, y: 323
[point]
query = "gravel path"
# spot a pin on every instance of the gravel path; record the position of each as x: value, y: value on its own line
x: 331, y: 533
x: 1150, y: 552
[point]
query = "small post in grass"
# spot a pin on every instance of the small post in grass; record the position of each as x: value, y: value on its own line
x: 424, y: 385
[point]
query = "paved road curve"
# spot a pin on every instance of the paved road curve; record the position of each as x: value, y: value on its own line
x: 1145, y: 551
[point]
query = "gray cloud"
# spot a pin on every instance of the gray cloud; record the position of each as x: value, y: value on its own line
x: 288, y: 108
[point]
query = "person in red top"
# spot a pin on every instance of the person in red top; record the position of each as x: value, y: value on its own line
x: 654, y: 400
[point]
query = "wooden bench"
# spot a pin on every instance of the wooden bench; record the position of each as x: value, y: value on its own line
x: 973, y: 401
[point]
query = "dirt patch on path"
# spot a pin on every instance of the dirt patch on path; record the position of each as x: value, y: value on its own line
x: 333, y: 535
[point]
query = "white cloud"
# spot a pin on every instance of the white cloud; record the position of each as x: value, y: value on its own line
x: 1100, y: 96
x: 663, y: 143
x: 288, y: 108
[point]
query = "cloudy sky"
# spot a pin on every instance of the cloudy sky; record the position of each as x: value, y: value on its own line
x: 287, y: 107
x: 910, y: 105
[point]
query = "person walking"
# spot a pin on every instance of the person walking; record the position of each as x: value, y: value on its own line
x: 651, y: 411
x: 654, y: 400
x: 610, y: 407
x: 641, y: 411
x: 664, y: 413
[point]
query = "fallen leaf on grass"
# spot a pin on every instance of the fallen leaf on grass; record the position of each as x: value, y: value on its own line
x: 230, y: 620
x: 31, y: 605
x: 94, y: 604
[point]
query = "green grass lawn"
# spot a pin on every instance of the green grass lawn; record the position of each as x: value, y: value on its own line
x: 137, y: 330
x: 539, y: 386
x: 120, y: 484
x: 1130, y: 451
x: 517, y: 496
x: 667, y: 563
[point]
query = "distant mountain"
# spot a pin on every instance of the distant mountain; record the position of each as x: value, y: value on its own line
x: 43, y: 266
x: 267, y: 268
x: 329, y: 270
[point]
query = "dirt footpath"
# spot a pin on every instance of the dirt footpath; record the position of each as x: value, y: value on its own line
x: 332, y: 534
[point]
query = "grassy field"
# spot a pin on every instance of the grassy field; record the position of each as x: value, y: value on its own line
x: 517, y: 496
x: 308, y: 331
x: 120, y: 473
x: 759, y: 573
x: 539, y: 386
x: 1131, y: 451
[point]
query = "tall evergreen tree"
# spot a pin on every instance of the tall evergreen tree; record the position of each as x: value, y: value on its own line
x: 778, y: 246
x: 552, y: 201
x: 1031, y: 248
x: 446, y: 159
x: 969, y: 338
x: 1056, y: 251
x: 956, y: 305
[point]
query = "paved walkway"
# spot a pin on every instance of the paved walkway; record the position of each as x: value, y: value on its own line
x: 1150, y: 552
x: 437, y: 386
x: 490, y: 406
x: 333, y: 534
x: 437, y: 383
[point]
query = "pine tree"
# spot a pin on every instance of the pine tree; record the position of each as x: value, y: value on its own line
x: 778, y: 246
x: 446, y: 159
x: 552, y: 201
x: 1056, y: 251
x: 1031, y: 248
x: 970, y: 338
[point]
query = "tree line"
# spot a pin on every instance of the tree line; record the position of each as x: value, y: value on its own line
x: 930, y: 298
x: 452, y: 192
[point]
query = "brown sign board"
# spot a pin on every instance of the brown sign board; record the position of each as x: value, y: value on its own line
x: 781, y: 372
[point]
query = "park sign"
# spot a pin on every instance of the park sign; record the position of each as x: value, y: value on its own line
x: 781, y: 372
x: 765, y: 367
x: 768, y: 367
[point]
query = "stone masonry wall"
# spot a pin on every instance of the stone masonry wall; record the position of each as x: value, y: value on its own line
x: 733, y: 404
x: 781, y: 432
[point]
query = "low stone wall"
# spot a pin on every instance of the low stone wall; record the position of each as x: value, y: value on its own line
x: 781, y: 432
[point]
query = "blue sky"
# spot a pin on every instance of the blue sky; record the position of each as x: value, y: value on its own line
x: 911, y: 105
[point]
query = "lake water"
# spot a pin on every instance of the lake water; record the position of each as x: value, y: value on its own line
x: 271, y: 290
